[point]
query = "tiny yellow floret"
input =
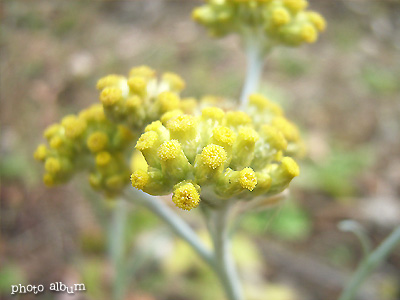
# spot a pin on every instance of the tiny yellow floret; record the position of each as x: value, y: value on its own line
x: 308, y: 33
x: 295, y: 5
x: 186, y: 196
x: 40, y: 153
x: 213, y: 113
x: 237, y: 118
x: 168, y: 101
x: 103, y: 158
x: 213, y: 156
x: 224, y: 135
x: 174, y: 80
x: 280, y: 16
x: 248, y: 179
x: 110, y: 96
x: 147, y: 140
x: 170, y: 115
x: 317, y: 20
x: 56, y: 142
x: 97, y: 141
x: 143, y: 71
x: 182, y: 123
x: 133, y: 102
x: 107, y: 81
x: 73, y: 126
x: 169, y: 150
x: 289, y: 130
x: 48, y: 180
x: 51, y: 131
x: 52, y: 165
x: 274, y: 137
x: 139, y: 179
x: 248, y: 135
x: 137, y: 85
x: 290, y: 166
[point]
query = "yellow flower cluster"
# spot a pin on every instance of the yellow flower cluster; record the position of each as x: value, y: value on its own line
x: 217, y: 155
x: 87, y: 141
x: 284, y: 22
x: 142, y: 98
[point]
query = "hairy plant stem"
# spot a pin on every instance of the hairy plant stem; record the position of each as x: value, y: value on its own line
x: 117, y: 248
x: 369, y: 263
x: 179, y: 226
x: 255, y: 56
x: 226, y: 269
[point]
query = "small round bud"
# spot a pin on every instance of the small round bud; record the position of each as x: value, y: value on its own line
x: 186, y: 196
x: 169, y: 150
x: 40, y: 153
x: 97, y: 141
x: 110, y: 96
x: 103, y: 158
x: 247, y: 179
x: 52, y: 165
x: 213, y: 156
x: 139, y: 179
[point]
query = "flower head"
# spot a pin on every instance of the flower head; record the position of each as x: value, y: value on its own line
x: 272, y: 22
x: 141, y: 98
x: 218, y: 154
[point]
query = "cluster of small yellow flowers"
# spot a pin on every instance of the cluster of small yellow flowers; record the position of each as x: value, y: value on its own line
x: 142, y: 98
x: 216, y: 155
x: 262, y: 111
x: 284, y: 22
x: 87, y: 141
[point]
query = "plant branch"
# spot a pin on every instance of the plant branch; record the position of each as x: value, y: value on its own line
x: 370, y: 263
x: 255, y: 57
x: 117, y: 247
x: 180, y: 227
x: 224, y: 261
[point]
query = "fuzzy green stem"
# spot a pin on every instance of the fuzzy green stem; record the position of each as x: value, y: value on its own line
x: 370, y: 263
x: 117, y: 248
x: 226, y: 269
x: 255, y: 57
x: 180, y: 227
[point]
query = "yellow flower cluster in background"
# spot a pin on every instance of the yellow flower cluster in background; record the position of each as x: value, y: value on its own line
x: 284, y: 22
x: 218, y: 155
x: 100, y: 139
x: 142, y: 98
x: 87, y: 141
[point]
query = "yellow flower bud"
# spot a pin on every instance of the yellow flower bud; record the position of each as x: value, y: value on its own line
x: 280, y: 16
x: 40, y: 153
x: 295, y: 5
x: 56, y: 142
x: 186, y: 195
x: 51, y: 131
x: 110, y: 96
x: 175, y: 82
x: 103, y: 158
x: 97, y: 141
x: 168, y: 101
x: 139, y: 179
x: 213, y: 156
x: 143, y: 71
x: 317, y: 20
x: 48, y: 180
x: 108, y: 81
x: 248, y: 179
x: 138, y: 86
x: 52, y: 165
x: 308, y: 33
x: 73, y: 126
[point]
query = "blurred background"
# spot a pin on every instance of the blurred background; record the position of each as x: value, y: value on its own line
x: 343, y: 92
